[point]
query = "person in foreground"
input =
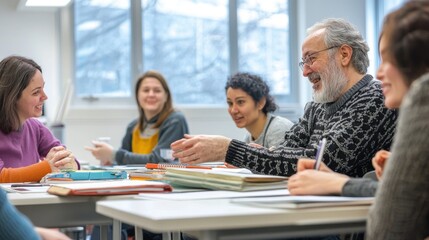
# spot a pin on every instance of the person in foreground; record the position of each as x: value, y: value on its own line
x: 347, y: 110
x: 401, y: 207
x: 156, y: 128
x: 250, y: 106
x: 28, y: 150
x: 15, y: 226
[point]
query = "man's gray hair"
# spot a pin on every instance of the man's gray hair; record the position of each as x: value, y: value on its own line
x: 338, y: 32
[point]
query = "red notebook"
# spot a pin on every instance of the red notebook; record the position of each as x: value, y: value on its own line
x: 103, y: 188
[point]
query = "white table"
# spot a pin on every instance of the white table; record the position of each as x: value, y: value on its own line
x: 219, y: 218
x: 46, y: 210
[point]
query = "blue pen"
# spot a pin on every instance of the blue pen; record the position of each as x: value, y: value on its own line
x: 319, y: 153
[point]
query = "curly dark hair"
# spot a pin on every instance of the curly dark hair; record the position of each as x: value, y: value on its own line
x: 254, y: 86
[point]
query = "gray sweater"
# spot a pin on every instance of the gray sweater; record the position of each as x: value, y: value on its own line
x: 273, y: 133
x: 356, y: 126
x: 360, y: 187
x: 401, y: 208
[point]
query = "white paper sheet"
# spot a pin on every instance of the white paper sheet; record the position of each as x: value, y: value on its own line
x: 212, y: 194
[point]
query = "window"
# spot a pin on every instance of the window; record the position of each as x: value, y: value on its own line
x: 187, y: 41
x: 102, y: 53
x: 383, y: 8
x: 386, y: 6
x: 196, y: 44
x: 263, y: 42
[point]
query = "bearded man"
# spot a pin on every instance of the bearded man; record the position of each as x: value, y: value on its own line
x: 348, y: 110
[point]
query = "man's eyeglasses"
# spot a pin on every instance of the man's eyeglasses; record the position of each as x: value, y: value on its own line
x: 308, y: 60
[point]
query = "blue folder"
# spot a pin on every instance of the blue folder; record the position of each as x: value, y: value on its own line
x: 88, y: 175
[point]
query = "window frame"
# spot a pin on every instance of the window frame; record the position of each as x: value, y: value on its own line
x: 379, y: 13
x: 137, y: 64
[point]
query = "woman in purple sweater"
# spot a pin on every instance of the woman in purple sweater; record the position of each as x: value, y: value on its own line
x: 28, y: 150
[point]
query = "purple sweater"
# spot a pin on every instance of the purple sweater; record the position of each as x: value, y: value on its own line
x: 26, y: 146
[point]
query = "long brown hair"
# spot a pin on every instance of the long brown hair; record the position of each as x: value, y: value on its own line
x: 168, y: 106
x: 15, y: 75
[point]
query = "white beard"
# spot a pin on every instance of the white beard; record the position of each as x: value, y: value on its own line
x: 334, y: 80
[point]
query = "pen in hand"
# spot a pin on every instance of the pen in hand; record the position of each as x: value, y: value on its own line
x: 319, y: 153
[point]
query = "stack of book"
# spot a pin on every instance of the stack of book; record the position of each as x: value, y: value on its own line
x: 223, y: 180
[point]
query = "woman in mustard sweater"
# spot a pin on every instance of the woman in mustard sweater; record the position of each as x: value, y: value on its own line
x: 156, y: 128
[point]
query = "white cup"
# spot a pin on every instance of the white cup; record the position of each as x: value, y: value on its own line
x: 166, y: 153
x: 104, y: 139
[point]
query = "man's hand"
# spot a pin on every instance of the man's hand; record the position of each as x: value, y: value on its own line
x: 200, y: 148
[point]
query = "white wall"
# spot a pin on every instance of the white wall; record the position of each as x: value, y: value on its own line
x: 33, y: 35
x: 37, y: 35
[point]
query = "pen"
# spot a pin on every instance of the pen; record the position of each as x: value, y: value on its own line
x: 28, y: 185
x: 319, y: 153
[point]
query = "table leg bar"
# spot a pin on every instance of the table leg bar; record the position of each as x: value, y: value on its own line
x: 116, y: 230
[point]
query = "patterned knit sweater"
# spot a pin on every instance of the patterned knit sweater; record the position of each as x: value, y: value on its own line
x: 356, y: 126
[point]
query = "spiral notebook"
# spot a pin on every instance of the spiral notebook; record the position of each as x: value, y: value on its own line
x: 179, y: 165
